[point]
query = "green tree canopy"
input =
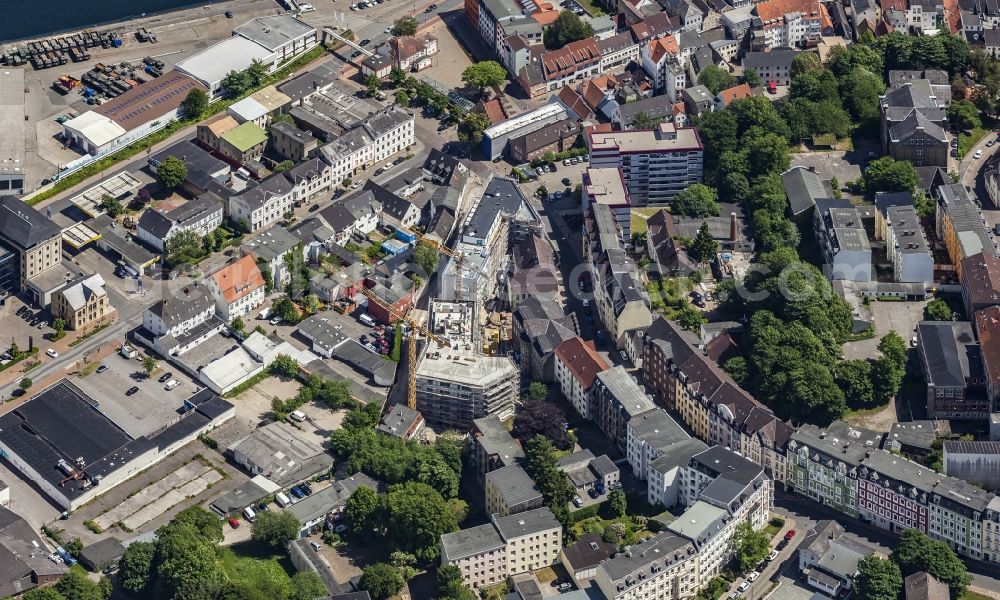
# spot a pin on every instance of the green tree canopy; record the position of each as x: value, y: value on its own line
x: 382, y: 581
x: 752, y: 78
x: 451, y: 584
x: 716, y: 79
x: 805, y: 62
x: 889, y: 175
x: 195, y: 103
x: 749, y: 546
x: 360, y: 510
x: 916, y: 552
x: 172, y: 172
x: 938, y: 310
x: 878, y: 579
x: 405, y: 26
x: 617, y: 503
x: 854, y: 378
x: 484, y: 75
x: 889, y: 369
x: 112, y: 205
x: 964, y: 115
x: 427, y: 258
x: 543, y: 467
x: 567, y: 28
x: 135, y: 567
x: 275, y: 529
x: 697, y: 200
x: 470, y: 129
x: 705, y: 247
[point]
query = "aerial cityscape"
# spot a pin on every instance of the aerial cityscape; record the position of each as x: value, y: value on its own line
x: 500, y: 299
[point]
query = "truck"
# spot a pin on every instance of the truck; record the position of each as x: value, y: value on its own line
x: 367, y: 320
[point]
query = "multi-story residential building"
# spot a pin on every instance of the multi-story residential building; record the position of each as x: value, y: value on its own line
x: 34, y: 239
x: 493, y: 446
x: 664, y: 566
x: 617, y: 50
x: 533, y: 270
x: 539, y: 327
x: 291, y: 142
x: 413, y: 52
x: 509, y: 490
x: 907, y: 247
x: 479, y: 553
x: 310, y: 177
x: 951, y: 365
x: 577, y: 365
x: 824, y: 463
x: 708, y: 401
x: 847, y: 253
x: 913, y: 121
x: 710, y: 529
x: 534, y: 539
x: 506, y: 546
x: 356, y: 143
x: 260, y: 205
x: 614, y: 400
x: 83, y: 303
x: 661, y: 61
x: 201, y: 215
x: 648, y: 436
x: 961, y: 225
x: 895, y: 494
x: 773, y: 66
x: 181, y: 321
x: 789, y: 23
x: 727, y: 480
x: 272, y: 248
x: 980, y: 281
x: 357, y: 214
x: 454, y: 388
x: 656, y: 164
x: 663, y: 476
x: 237, y: 288
x: 987, y: 323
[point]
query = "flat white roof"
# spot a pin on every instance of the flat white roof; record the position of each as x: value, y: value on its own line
x: 510, y: 125
x: 212, y: 64
x: 231, y: 369
x: 96, y: 128
x: 248, y: 109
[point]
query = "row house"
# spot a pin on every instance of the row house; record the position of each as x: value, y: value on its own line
x: 263, y: 204
x: 181, y: 321
x: 792, y: 23
x: 201, y: 215
x: 577, y: 364
x: 824, y: 463
x: 237, y: 288
x: 987, y: 322
x: 616, y: 399
x: 693, y: 386
x: 575, y: 61
x: 617, y: 51
x: 959, y: 222
x: 897, y: 494
x: 664, y: 566
x: 921, y: 17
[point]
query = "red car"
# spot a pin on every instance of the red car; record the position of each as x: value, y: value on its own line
x: 789, y: 535
x: 234, y: 523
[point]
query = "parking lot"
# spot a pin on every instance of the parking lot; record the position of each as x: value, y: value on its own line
x: 94, y: 260
x: 901, y: 317
x: 146, y: 410
x: 19, y: 328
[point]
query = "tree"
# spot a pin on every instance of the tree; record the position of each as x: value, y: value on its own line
x: 235, y: 83
x: 284, y: 307
x: 938, y: 310
x: 543, y: 467
x: 719, y: 135
x: 814, y: 85
x: 195, y: 103
x: 185, y: 562
x: 46, y: 593
x: 888, y: 370
x: 964, y: 115
x: 306, y: 585
x: 285, y: 366
x: 209, y: 526
x: 372, y: 85
x: 889, y: 175
x: 148, y: 365
x: 404, y: 27
x: 426, y: 259
x: 877, y: 579
x: 860, y: 90
x: 75, y: 585
x: 172, y: 172
x: 698, y: 200
x: 749, y: 546
x: 275, y: 529
x: 402, y: 98
x: 617, y: 503
x: 360, y: 510
x: 237, y: 324
x: 451, y: 585
x: 257, y: 72
x: 752, y: 78
x: 183, y: 247
x: 538, y: 417
x: 538, y: 391
x: 854, y: 378
x: 111, y: 205
x: 60, y: 326
x: 704, y: 248
x: 382, y: 581
x: 283, y: 166
x: 25, y: 383
x: 716, y: 79
x: 805, y: 62
x: 567, y: 28
x: 484, y: 75
x: 470, y: 129
x: 415, y: 517
x: 916, y: 552
x: 757, y: 112
x: 768, y: 153
x: 643, y: 120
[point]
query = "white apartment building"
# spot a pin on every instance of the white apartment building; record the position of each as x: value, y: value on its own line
x: 648, y: 435
x: 171, y: 326
x: 479, y: 553
x: 237, y: 288
x: 311, y: 177
x: 664, y: 567
x: 263, y: 204
x: 375, y: 139
x: 656, y: 164
x: 662, y: 61
x: 906, y: 246
x: 788, y: 23
x: 710, y: 529
x: 577, y: 366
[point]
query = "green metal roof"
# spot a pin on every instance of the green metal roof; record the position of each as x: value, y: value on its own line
x: 246, y: 136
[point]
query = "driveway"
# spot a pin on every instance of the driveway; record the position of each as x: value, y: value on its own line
x: 901, y: 317
x: 787, y: 559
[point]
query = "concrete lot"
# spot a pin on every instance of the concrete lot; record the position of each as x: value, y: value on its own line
x: 147, y: 410
x: 94, y: 260
x: 450, y: 60
x: 790, y: 588
x: 19, y: 329
x: 901, y: 317
x: 27, y: 500
x: 830, y: 164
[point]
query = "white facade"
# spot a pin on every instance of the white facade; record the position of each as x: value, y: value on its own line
x: 260, y: 215
x: 572, y: 389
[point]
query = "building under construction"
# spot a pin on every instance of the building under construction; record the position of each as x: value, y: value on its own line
x: 458, y: 383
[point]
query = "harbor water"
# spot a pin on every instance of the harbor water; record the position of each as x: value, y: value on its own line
x: 31, y: 19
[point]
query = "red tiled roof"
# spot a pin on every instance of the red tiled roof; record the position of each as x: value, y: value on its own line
x: 574, y: 101
x: 988, y: 330
x: 900, y: 5
x: 773, y: 10
x: 665, y: 46
x: 239, y: 279
x: 582, y: 360
x: 570, y: 57
x: 494, y: 111
x: 734, y: 93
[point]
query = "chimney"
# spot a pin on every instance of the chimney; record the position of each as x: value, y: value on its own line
x: 734, y: 229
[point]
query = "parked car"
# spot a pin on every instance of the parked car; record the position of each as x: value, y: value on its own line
x: 229, y: 14
x: 954, y: 142
x: 978, y: 154
x: 315, y: 545
x: 132, y: 390
x: 790, y: 534
x: 100, y: 369
x: 275, y: 320
x: 365, y: 42
x: 773, y: 555
x: 165, y: 377
x: 743, y: 586
x: 234, y: 523
x: 577, y: 501
x: 52, y: 353
x: 297, y: 492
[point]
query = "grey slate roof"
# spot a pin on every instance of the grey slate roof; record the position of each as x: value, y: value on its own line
x: 726, y: 463
x: 526, y: 523
x: 625, y: 390
x: 470, y: 542
x: 398, y: 420
x: 803, y: 187
x: 950, y: 352
x: 23, y: 225
x: 657, y: 107
x: 514, y: 484
x: 657, y: 429
x: 183, y: 305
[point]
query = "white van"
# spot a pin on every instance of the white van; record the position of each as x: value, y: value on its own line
x: 298, y: 415
x: 171, y: 384
x: 264, y: 314
x: 249, y: 513
x: 367, y: 320
x: 282, y: 500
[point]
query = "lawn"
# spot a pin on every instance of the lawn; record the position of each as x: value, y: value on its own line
x: 592, y: 9
x: 968, y: 140
x: 639, y: 217
x: 244, y: 562
x: 970, y: 595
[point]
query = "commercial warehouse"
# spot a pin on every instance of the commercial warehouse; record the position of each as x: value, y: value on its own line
x: 212, y: 64
x: 62, y: 441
